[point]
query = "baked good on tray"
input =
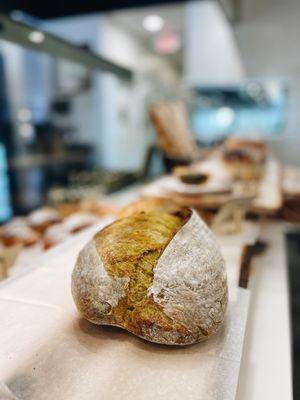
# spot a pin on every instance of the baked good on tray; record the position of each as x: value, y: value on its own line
x: 150, y: 204
x: 42, y: 218
x: 62, y: 231
x: 17, y: 231
x: 159, y: 276
x: 99, y: 208
x: 245, y: 158
x: 78, y: 221
x: 55, y: 234
x: 190, y: 175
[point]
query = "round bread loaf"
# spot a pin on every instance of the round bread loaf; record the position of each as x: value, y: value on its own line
x: 160, y: 276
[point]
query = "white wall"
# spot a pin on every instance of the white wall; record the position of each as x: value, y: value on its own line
x: 131, y: 134
x: 113, y: 114
x: 15, y: 85
x: 123, y: 146
x: 28, y: 83
x: 211, y: 56
x: 86, y: 114
x: 268, y: 40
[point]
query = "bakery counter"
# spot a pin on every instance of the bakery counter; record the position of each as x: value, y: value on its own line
x: 266, y: 367
x: 48, y: 351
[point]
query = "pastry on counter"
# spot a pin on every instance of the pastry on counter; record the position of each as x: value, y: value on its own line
x: 244, y: 158
x: 253, y: 144
x: 54, y: 235
x: 62, y: 231
x: 17, y: 231
x: 8, y: 256
x: 190, y: 175
x: 159, y: 276
x: 150, y: 204
x: 99, y: 208
x: 78, y: 221
x: 66, y: 209
x: 159, y: 204
x: 42, y: 218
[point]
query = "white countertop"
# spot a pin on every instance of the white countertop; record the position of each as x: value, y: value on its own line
x: 266, y: 371
x: 48, y: 352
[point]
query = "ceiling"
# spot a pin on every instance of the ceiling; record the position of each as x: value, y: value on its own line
x: 173, y: 16
x: 132, y: 21
x: 60, y: 8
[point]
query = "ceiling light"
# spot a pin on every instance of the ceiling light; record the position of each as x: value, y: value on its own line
x: 225, y: 116
x: 26, y: 131
x: 167, y: 43
x: 36, y: 37
x: 24, y: 114
x: 153, y: 23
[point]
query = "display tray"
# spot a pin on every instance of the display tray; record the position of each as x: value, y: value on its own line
x: 49, y: 352
x: 268, y: 199
x: 172, y: 184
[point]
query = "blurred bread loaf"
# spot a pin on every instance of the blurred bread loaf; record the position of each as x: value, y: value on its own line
x: 42, y: 218
x: 17, y: 231
x: 244, y: 158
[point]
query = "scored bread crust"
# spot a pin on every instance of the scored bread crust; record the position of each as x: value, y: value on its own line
x: 189, y: 288
x: 194, y: 289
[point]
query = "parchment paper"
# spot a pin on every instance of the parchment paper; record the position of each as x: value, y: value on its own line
x: 49, y: 352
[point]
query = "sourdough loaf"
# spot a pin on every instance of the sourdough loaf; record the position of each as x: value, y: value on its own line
x: 157, y: 275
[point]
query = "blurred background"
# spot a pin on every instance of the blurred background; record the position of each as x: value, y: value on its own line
x: 195, y: 102
x: 77, y: 79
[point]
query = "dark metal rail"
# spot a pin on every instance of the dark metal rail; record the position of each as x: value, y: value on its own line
x: 39, y: 40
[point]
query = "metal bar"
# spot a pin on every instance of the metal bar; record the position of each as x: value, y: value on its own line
x: 237, y: 6
x: 232, y: 10
x: 39, y: 40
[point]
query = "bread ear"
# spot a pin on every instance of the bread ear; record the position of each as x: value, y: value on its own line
x: 190, y: 280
